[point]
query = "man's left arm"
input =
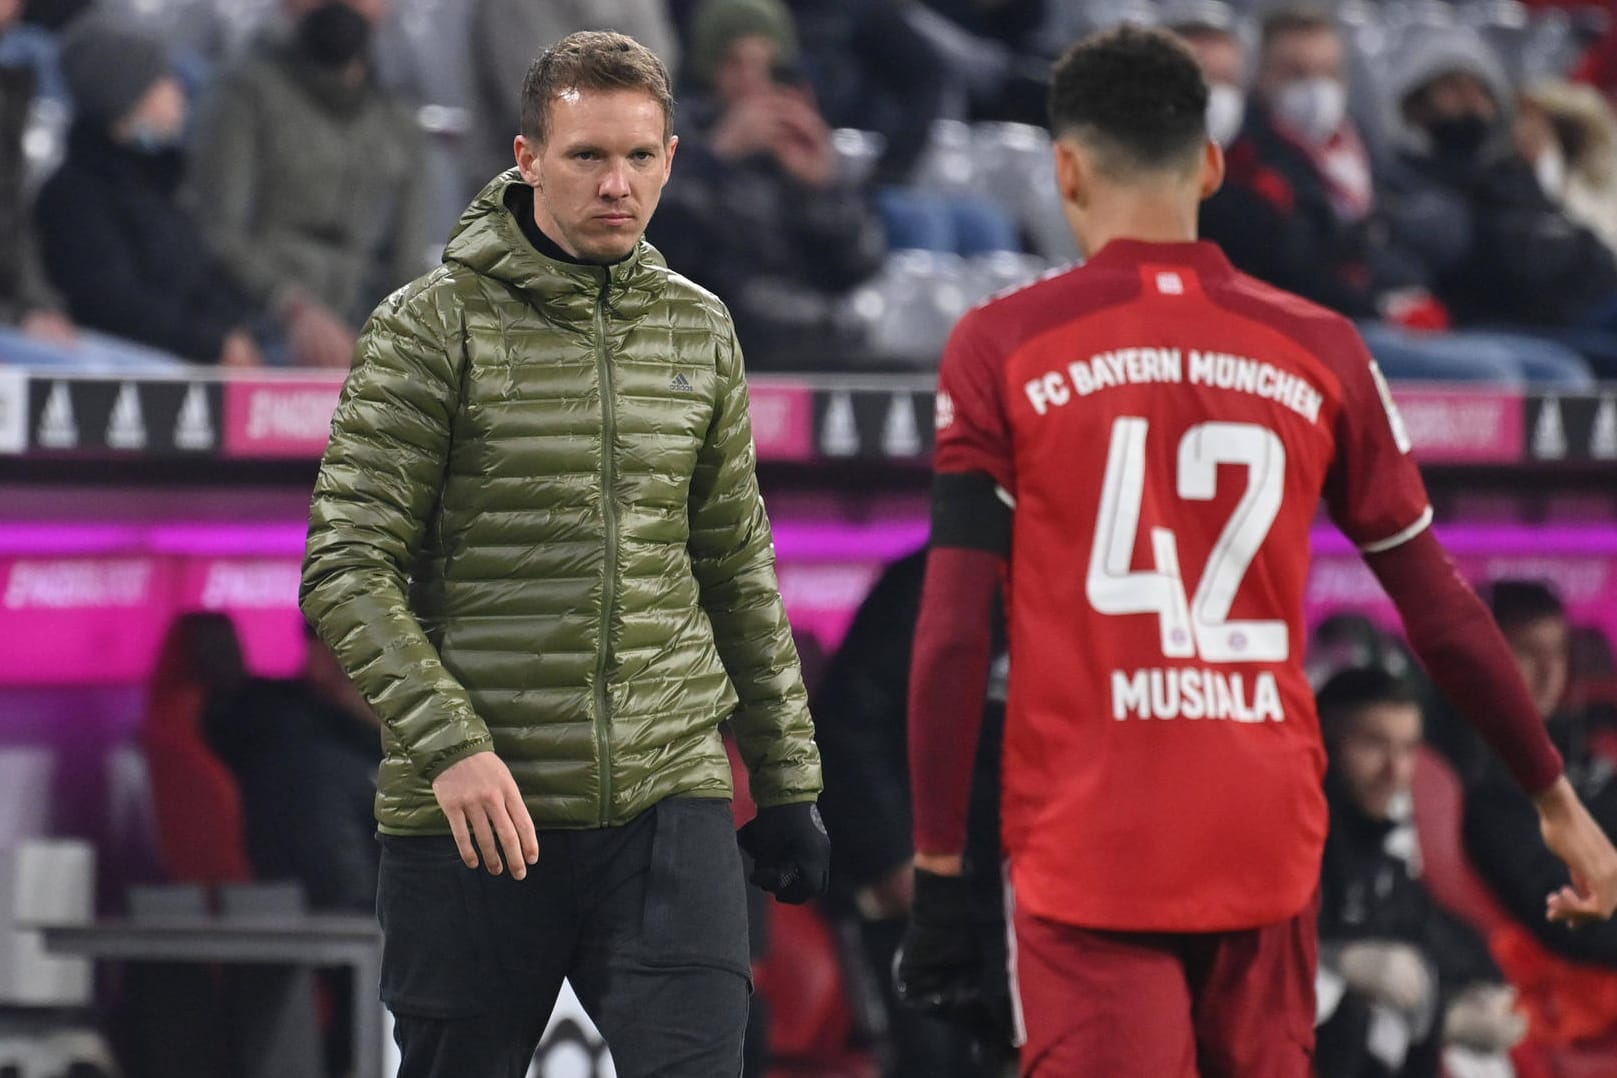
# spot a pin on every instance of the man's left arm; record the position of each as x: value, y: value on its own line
x: 733, y: 557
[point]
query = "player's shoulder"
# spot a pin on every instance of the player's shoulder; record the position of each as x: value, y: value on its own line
x: 1020, y: 310
x: 1287, y: 310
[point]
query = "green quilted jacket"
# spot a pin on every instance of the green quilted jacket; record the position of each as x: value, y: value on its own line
x: 537, y: 530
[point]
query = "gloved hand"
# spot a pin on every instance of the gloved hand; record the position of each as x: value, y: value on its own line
x: 790, y: 850
x: 1484, y: 1018
x: 1388, y: 971
x: 945, y: 965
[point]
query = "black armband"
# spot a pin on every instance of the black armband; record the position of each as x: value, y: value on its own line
x: 969, y: 510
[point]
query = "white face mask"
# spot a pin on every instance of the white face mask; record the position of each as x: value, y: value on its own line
x: 1313, y: 107
x: 1226, y: 108
x: 1551, y: 171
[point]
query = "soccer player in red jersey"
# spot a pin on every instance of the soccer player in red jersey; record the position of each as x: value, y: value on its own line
x: 1139, y: 446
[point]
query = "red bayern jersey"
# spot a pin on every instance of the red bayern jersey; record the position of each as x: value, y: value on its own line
x: 1165, y: 428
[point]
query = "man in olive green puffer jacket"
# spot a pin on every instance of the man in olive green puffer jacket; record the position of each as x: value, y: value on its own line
x: 537, y: 547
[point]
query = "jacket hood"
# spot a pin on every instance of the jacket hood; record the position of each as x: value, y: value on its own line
x: 1430, y: 53
x: 489, y: 241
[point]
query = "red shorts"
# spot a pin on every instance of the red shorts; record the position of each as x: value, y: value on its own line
x: 1149, y: 1005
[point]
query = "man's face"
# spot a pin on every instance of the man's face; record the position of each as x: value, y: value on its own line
x: 748, y: 68
x: 1542, y: 649
x: 1301, y: 54
x: 1376, y: 758
x: 1454, y: 95
x: 598, y: 175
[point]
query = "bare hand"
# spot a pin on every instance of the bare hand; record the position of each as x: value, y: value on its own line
x: 752, y: 125
x: 483, y: 804
x: 320, y: 339
x: 239, y: 352
x: 804, y: 144
x: 52, y: 327
x: 1389, y: 971
x: 1573, y: 836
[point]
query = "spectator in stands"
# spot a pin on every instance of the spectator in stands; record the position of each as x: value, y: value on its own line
x: 1497, y: 248
x: 756, y: 210
x: 1501, y: 832
x: 860, y: 726
x: 1211, y: 32
x: 304, y: 752
x: 308, y: 177
x: 1299, y: 209
x: 28, y: 46
x: 1568, y: 134
x: 26, y: 301
x: 507, y: 34
x: 1389, y: 956
x: 997, y: 53
x: 128, y: 258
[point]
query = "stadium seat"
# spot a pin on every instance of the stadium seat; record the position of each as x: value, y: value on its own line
x: 857, y: 153
x: 949, y: 161
x: 1449, y: 875
x: 1014, y: 169
x: 996, y: 271
x: 907, y: 310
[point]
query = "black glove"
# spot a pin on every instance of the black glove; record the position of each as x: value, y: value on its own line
x: 951, y: 963
x: 790, y: 850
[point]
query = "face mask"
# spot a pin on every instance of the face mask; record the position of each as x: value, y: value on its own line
x: 1459, y: 136
x: 1550, y: 168
x: 1226, y: 108
x: 334, y: 34
x: 148, y: 139
x: 1313, y: 107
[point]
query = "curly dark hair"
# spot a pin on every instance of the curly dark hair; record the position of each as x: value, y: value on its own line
x: 1136, y: 95
x: 592, y: 60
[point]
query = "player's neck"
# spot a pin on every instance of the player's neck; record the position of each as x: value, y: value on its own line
x: 1129, y: 217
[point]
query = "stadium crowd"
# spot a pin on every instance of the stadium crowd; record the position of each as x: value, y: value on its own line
x: 853, y: 173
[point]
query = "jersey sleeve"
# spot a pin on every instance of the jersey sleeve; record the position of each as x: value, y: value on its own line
x: 973, y: 431
x: 1374, y: 490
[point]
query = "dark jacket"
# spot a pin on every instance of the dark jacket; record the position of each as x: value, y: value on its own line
x: 1275, y: 220
x: 778, y: 253
x: 1369, y: 890
x: 1502, y: 836
x: 872, y: 70
x: 537, y: 530
x: 307, y: 774
x: 1495, y: 246
x: 862, y: 730
x: 23, y: 288
x: 127, y: 257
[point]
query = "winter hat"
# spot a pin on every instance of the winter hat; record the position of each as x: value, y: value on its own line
x: 717, y: 23
x: 1430, y: 54
x: 109, y: 64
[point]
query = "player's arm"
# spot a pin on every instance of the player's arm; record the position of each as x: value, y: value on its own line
x: 940, y: 966
x: 972, y: 495
x: 1376, y: 496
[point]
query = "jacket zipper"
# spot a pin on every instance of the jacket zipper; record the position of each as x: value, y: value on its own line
x: 609, y: 423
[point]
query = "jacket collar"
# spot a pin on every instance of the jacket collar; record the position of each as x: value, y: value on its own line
x: 489, y: 240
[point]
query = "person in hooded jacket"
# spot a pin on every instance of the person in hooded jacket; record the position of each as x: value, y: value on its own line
x: 121, y: 249
x: 1499, y: 250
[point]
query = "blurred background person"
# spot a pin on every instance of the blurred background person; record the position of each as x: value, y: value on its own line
x: 118, y: 245
x: 1568, y: 133
x: 307, y: 177
x: 1499, y: 252
x: 1399, y: 977
x: 1299, y: 209
x: 756, y: 210
x: 860, y: 707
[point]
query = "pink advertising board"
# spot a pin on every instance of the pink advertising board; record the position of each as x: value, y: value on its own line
x: 87, y: 604
x: 1462, y: 426
x: 274, y: 418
